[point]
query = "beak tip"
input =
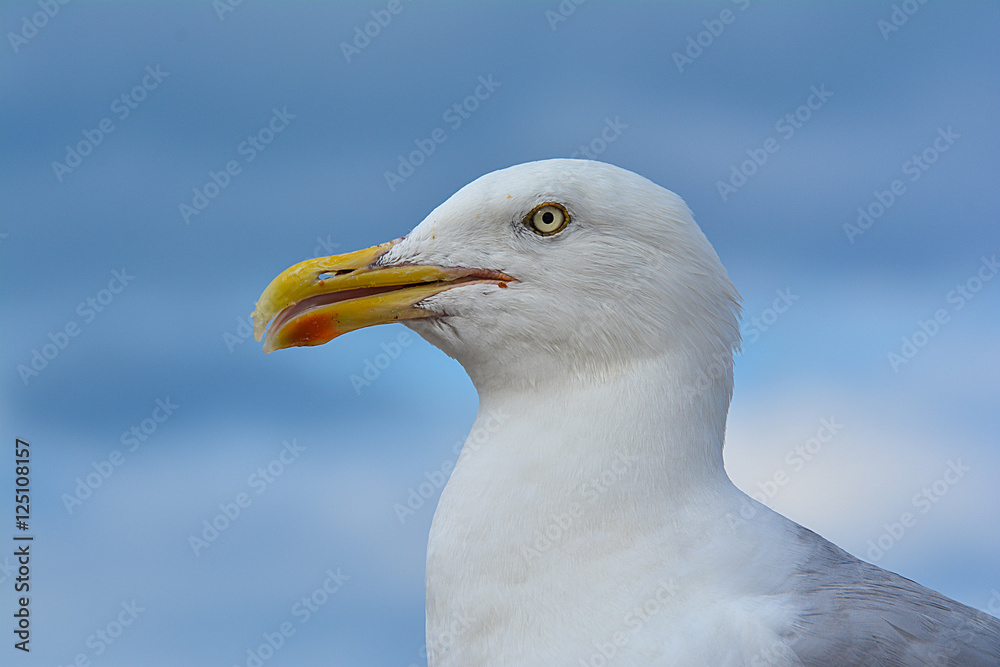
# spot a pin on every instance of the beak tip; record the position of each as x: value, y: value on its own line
x: 259, y: 325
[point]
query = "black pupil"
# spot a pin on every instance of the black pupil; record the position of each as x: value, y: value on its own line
x: 547, y: 217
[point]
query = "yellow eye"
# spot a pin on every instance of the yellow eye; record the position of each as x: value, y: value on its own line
x: 547, y: 219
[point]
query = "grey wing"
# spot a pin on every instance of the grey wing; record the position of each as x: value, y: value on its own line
x: 858, y: 614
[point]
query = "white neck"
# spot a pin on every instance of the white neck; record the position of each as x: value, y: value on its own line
x: 574, y: 475
x: 665, y: 414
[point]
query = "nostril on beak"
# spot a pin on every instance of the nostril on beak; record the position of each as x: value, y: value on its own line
x: 326, y: 275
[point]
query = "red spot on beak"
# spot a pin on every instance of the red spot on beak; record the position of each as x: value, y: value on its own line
x: 309, y: 330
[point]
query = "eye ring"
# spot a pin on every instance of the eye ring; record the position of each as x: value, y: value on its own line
x: 547, y: 219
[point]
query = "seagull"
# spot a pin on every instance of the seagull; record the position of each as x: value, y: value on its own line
x: 589, y: 520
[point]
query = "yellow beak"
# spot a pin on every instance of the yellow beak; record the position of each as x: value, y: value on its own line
x: 317, y: 300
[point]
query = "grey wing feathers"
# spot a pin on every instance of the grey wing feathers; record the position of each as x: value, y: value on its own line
x: 855, y: 613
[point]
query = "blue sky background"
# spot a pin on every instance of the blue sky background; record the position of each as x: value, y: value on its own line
x: 174, y: 332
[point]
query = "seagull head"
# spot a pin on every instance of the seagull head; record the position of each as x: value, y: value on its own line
x: 527, y: 274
